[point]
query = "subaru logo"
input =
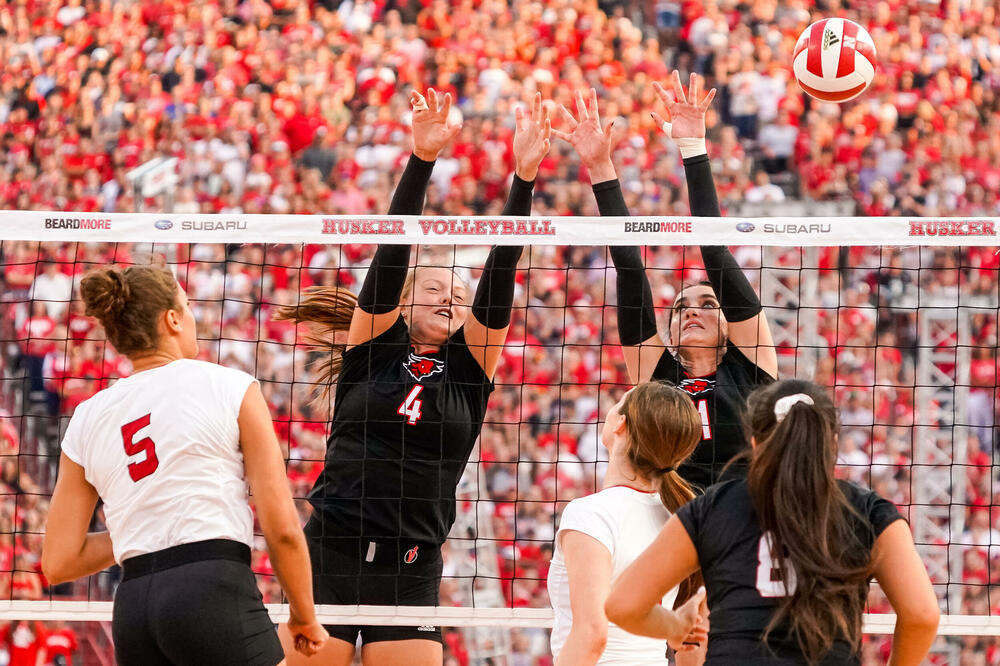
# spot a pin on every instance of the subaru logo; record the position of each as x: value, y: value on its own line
x: 745, y: 227
x: 163, y: 225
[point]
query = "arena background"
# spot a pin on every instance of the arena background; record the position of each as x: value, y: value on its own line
x: 289, y: 107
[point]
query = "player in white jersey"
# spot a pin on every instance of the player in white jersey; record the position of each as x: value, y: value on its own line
x: 648, y: 434
x: 172, y: 451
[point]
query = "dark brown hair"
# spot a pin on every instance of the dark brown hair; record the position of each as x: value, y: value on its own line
x: 128, y: 303
x: 663, y: 428
x: 799, y: 503
x: 328, y: 310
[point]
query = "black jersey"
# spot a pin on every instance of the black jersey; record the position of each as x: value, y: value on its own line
x: 736, y: 565
x: 721, y: 400
x: 404, y: 426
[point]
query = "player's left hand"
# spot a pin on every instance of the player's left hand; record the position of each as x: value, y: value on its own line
x: 687, y: 111
x: 531, y: 138
x: 309, y: 637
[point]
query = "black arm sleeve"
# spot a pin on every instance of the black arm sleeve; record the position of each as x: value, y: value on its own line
x: 384, y: 282
x: 495, y: 293
x: 636, y: 317
x: 737, y: 298
x: 701, y: 187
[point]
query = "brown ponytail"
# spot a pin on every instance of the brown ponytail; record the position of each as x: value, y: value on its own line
x: 128, y: 304
x: 663, y: 428
x: 328, y: 310
x: 799, y: 502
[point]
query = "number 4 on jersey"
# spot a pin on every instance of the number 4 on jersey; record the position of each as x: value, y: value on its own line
x: 411, y: 405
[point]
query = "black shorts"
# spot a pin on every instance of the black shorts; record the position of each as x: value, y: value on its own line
x: 341, y: 576
x: 196, y: 603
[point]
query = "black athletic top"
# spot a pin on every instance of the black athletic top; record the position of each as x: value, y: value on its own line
x: 721, y: 396
x: 723, y: 527
x: 721, y: 400
x: 404, y: 426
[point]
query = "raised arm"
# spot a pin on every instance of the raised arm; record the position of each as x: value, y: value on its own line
x: 378, y: 301
x: 486, y: 330
x: 641, y: 343
x: 748, y: 327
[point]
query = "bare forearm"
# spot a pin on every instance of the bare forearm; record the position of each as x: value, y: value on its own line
x: 581, y: 649
x: 657, y: 623
x: 95, y: 555
x: 911, y: 643
x: 290, y: 558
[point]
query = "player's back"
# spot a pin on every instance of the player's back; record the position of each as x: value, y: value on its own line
x: 744, y: 587
x: 162, y: 450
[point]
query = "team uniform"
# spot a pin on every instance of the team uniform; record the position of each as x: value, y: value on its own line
x: 720, y: 398
x: 744, y: 589
x: 162, y: 450
x: 625, y: 521
x: 404, y: 426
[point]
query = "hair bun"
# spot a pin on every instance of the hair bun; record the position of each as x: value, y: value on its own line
x: 105, y: 293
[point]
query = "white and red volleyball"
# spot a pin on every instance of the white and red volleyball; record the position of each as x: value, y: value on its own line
x: 834, y: 60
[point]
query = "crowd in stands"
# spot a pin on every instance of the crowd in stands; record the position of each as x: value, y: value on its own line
x: 296, y: 106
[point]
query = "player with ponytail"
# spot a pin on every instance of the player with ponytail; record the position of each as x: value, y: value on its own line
x: 788, y: 552
x: 719, y: 345
x: 412, y: 381
x: 648, y: 434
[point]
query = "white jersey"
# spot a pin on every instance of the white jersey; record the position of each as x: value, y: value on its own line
x: 162, y: 449
x: 625, y: 521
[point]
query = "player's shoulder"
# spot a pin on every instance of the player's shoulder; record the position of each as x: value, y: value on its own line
x: 874, y: 509
x: 194, y: 370
x: 611, y: 502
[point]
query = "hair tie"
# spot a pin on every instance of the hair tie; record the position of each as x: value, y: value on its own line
x: 784, y: 405
x: 666, y: 470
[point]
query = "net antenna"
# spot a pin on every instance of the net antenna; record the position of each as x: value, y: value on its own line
x: 153, y: 178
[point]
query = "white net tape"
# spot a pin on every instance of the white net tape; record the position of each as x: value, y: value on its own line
x: 100, y: 611
x: 784, y: 232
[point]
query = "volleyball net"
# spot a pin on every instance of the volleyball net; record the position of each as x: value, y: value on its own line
x: 897, y: 317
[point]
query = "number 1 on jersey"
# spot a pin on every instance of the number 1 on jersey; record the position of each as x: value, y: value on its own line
x: 139, y: 470
x: 706, y: 426
x: 411, y: 405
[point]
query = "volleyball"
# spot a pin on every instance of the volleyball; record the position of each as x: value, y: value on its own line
x: 834, y: 60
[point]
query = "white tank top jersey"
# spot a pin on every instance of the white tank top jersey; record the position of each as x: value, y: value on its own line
x: 162, y: 450
x: 625, y: 521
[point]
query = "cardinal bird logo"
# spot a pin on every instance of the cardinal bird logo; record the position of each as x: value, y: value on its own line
x: 698, y: 385
x: 420, y: 367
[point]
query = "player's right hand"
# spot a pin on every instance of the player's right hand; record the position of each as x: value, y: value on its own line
x: 432, y: 130
x: 692, y: 630
x: 309, y: 637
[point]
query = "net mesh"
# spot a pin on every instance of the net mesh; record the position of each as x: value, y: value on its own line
x: 904, y: 337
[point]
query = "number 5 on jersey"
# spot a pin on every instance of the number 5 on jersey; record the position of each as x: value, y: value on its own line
x: 139, y: 469
x: 411, y: 405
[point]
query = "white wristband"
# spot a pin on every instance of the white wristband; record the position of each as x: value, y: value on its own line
x: 692, y: 147
x: 689, y: 147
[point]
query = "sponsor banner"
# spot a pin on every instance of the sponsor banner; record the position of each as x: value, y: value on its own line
x: 434, y: 230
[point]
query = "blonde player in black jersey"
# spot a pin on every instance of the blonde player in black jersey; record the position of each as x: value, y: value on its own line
x: 719, y: 345
x: 788, y: 552
x: 411, y: 393
x: 172, y: 450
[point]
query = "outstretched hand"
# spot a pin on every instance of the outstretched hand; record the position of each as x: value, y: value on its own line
x: 687, y: 112
x: 431, y: 129
x: 591, y: 141
x: 531, y: 139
